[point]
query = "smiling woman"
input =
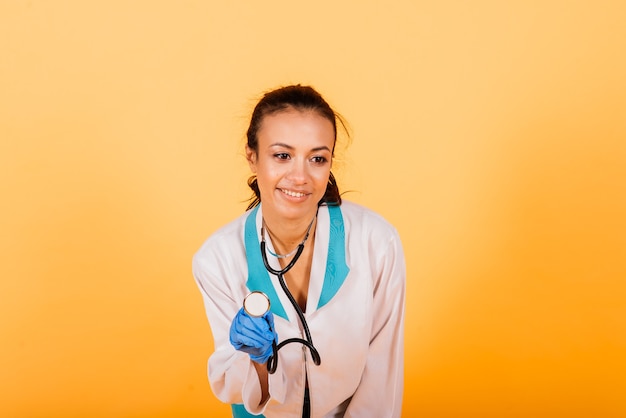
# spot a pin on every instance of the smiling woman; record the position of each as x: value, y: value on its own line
x: 321, y: 271
x: 292, y: 162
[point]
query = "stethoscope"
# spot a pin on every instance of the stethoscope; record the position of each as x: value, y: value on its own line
x: 257, y: 304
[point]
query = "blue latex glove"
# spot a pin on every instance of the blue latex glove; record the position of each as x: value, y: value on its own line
x: 253, y: 335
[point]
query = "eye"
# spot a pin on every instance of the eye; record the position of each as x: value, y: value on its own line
x: 319, y: 160
x: 281, y: 156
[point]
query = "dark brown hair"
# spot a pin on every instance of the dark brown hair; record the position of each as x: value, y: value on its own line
x: 292, y: 97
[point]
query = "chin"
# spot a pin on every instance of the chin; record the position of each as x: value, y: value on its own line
x: 296, y: 211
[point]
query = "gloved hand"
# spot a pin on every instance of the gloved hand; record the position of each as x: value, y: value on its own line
x: 253, y: 335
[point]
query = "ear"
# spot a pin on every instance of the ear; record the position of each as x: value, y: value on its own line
x: 251, y: 157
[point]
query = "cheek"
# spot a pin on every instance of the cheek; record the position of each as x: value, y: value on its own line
x: 267, y: 175
x: 321, y: 178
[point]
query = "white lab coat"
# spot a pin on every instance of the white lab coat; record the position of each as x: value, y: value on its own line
x: 355, y: 313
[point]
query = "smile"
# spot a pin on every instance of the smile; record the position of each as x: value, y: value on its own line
x: 292, y: 194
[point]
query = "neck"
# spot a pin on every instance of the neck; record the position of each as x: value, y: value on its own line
x: 286, y: 235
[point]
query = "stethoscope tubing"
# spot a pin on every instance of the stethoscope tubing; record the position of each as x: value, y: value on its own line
x: 273, y: 360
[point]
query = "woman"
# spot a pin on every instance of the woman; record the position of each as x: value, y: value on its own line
x: 347, y: 277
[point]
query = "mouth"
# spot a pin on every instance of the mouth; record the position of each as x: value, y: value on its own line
x: 292, y: 193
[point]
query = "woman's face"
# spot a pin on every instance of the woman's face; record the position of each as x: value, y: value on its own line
x: 292, y: 163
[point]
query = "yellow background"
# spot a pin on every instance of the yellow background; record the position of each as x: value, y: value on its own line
x: 491, y: 133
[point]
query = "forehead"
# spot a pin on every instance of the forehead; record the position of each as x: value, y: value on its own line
x: 294, y: 125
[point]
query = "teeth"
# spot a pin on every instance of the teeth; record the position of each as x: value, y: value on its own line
x: 293, y: 194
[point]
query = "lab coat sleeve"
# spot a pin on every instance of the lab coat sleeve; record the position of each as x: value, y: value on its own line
x: 379, y: 393
x: 232, y: 377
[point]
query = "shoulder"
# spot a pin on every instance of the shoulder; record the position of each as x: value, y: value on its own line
x: 372, y: 241
x: 356, y: 213
x: 228, y: 239
x: 358, y: 218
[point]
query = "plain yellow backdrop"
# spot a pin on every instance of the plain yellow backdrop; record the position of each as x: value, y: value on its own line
x: 492, y: 134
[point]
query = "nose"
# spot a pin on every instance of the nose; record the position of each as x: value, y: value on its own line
x: 298, y: 172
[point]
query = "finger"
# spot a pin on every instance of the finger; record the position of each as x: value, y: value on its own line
x: 258, y: 327
x: 249, y: 341
x: 269, y: 318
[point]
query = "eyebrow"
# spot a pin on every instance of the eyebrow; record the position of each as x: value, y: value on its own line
x: 280, y: 144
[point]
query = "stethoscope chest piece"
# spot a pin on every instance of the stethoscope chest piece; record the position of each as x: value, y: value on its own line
x: 256, y: 304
